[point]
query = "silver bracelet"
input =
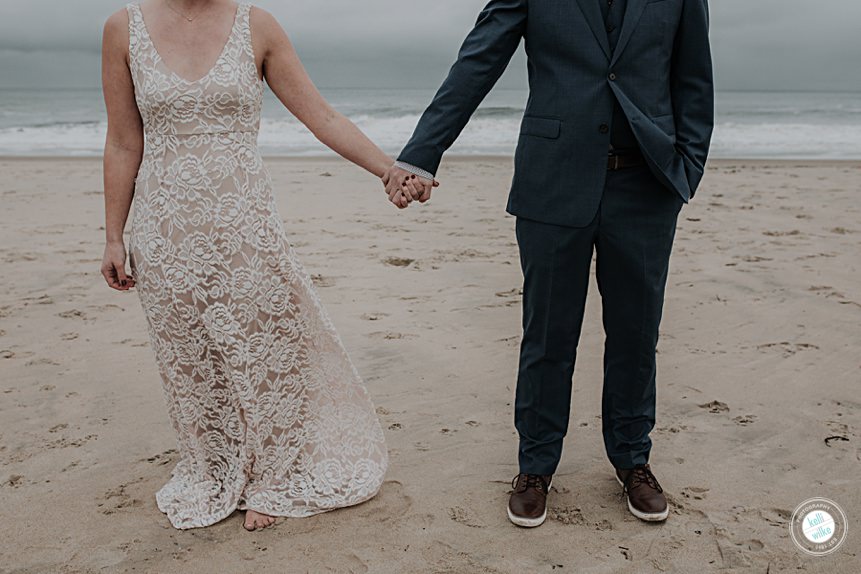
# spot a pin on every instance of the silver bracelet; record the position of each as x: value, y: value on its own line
x: 414, y: 170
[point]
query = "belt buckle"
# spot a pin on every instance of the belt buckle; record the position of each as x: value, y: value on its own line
x: 615, y: 162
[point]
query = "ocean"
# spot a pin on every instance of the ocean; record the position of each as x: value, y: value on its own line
x: 750, y: 125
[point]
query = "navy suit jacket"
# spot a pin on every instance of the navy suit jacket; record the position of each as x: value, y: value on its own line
x: 660, y: 72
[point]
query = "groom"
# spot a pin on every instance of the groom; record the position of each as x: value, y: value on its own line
x: 613, y: 142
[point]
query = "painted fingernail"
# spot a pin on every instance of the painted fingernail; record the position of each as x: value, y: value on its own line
x: 412, y: 177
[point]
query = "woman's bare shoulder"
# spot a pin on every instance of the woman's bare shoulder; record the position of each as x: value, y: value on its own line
x: 265, y: 23
x: 117, y: 27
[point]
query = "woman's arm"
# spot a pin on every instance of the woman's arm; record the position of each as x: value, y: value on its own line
x: 123, y: 146
x: 287, y: 77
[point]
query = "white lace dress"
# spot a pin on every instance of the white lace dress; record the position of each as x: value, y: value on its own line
x: 269, y: 411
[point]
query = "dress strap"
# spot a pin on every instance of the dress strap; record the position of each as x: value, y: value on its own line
x: 244, y: 29
x: 245, y: 20
x: 137, y: 31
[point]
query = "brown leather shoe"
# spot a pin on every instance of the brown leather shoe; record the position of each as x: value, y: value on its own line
x: 527, y: 506
x: 645, y: 496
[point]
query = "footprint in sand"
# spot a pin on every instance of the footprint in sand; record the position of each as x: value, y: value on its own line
x: 695, y: 492
x: 71, y: 466
x: 71, y: 443
x: 162, y: 458
x: 715, y: 407
x: 374, y: 316
x: 132, y: 343
x: 14, y: 480
x: 837, y: 427
x: 72, y: 314
x: 834, y: 439
x: 321, y: 281
x: 745, y: 420
x: 398, y: 261
x: 752, y: 545
x: 674, y: 429
x: 775, y: 516
x: 37, y: 362
x: 566, y: 515
x: 516, y: 292
x: 788, y: 349
x: 464, y: 516
x: 119, y: 498
x: 389, y: 335
x: 391, y: 503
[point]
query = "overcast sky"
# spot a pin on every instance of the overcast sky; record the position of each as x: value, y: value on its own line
x: 758, y: 44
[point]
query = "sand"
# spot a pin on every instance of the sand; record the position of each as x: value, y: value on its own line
x: 759, y: 364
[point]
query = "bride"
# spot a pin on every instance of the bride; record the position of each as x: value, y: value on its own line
x: 270, y: 414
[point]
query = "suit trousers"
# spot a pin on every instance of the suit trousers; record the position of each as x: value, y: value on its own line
x: 632, y: 236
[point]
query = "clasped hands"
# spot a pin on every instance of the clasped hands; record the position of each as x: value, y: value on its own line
x: 404, y: 187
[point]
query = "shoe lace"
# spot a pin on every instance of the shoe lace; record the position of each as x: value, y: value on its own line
x: 643, y: 475
x: 529, y: 481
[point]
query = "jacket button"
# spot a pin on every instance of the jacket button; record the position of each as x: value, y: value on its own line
x: 604, y: 128
x: 612, y: 76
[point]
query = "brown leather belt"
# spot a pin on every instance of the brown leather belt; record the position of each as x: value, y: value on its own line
x: 622, y: 160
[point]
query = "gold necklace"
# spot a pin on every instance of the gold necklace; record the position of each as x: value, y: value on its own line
x: 170, y: 5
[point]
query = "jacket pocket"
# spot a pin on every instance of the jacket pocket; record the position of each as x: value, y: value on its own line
x: 541, y: 127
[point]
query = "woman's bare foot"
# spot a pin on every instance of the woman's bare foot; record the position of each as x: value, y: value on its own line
x: 255, y: 520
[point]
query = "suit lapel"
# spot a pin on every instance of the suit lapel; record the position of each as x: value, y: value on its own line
x: 592, y: 11
x: 632, y: 17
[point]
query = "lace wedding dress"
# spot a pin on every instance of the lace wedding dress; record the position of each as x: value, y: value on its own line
x: 270, y: 413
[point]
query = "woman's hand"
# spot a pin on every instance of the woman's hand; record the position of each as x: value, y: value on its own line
x: 404, y: 187
x: 114, y: 267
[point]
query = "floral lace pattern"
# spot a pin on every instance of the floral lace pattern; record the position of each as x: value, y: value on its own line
x: 269, y: 411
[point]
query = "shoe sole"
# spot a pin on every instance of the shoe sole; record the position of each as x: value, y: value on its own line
x: 645, y: 516
x: 528, y: 522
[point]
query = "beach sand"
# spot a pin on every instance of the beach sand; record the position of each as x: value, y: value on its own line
x: 759, y: 364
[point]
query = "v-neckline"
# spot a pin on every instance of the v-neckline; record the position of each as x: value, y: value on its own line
x: 214, y: 64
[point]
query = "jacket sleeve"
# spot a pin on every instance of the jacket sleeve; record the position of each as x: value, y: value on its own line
x: 692, y: 88
x: 483, y: 57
